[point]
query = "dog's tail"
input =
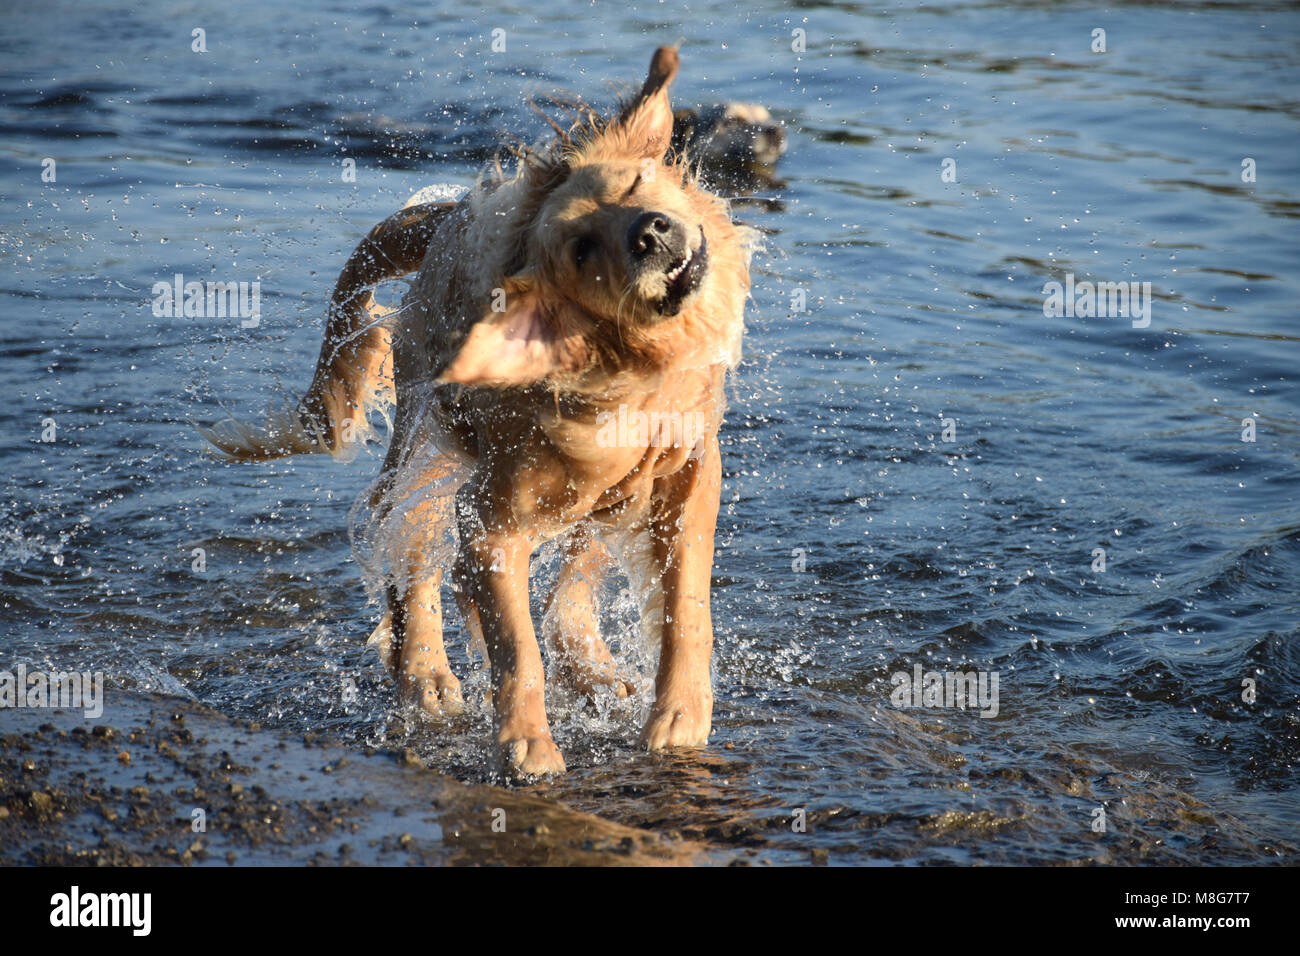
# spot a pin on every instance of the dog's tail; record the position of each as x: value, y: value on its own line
x: 354, y: 373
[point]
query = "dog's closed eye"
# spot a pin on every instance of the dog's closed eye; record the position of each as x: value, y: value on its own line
x: 583, y: 248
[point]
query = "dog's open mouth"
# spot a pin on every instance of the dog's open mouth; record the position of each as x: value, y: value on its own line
x: 684, y: 277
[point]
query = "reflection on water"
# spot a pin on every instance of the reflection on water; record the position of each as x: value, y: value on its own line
x: 856, y: 540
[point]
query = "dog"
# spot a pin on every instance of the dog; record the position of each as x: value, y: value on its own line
x: 564, y: 325
x: 737, y: 145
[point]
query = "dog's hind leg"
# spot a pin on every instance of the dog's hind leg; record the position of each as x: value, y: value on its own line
x: 571, y: 622
x: 469, y: 615
x: 381, y: 639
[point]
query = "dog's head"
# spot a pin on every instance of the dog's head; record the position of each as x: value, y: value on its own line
x: 616, y: 253
x: 730, y: 137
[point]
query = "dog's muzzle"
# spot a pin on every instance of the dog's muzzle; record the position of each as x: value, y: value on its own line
x: 658, y: 242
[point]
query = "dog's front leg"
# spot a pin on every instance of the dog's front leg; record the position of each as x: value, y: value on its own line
x: 684, y: 519
x: 494, y: 556
x: 424, y: 676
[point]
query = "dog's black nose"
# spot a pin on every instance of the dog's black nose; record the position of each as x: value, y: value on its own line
x: 655, y: 233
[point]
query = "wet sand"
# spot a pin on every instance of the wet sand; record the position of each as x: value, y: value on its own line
x: 123, y: 790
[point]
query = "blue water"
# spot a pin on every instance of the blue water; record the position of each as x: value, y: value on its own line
x: 1120, y: 689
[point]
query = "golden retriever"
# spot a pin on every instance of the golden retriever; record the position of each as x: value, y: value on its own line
x: 562, y: 354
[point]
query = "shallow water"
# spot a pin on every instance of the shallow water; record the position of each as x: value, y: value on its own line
x: 1119, y: 689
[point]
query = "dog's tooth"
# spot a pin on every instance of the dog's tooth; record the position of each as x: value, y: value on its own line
x: 681, y: 266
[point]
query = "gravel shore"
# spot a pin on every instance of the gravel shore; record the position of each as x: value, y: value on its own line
x: 158, y: 780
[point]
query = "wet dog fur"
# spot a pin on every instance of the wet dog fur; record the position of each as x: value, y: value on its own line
x: 599, y: 279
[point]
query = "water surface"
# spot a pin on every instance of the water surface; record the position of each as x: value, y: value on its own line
x: 1119, y: 689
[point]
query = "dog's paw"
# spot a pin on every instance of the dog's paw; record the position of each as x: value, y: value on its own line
x: 679, y: 723
x: 530, y: 756
x: 437, y: 694
x: 590, y: 681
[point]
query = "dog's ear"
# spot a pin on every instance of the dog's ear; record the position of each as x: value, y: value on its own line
x: 645, y: 125
x: 522, y: 341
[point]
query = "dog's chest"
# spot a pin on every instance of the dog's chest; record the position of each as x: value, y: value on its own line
x: 615, y: 450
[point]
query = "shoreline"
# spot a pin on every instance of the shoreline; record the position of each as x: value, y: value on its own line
x: 158, y: 781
